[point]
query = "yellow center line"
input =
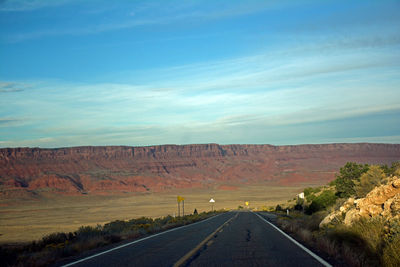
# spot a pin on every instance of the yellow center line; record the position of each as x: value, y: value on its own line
x: 190, y: 254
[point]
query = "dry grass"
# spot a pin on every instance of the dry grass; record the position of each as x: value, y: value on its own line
x: 367, y: 242
x: 31, y: 220
x: 391, y: 253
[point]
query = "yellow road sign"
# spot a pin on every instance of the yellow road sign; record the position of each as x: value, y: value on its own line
x: 247, y: 203
x: 180, y: 199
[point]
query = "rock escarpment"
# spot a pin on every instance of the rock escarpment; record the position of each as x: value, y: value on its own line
x: 158, y: 168
x: 383, y: 201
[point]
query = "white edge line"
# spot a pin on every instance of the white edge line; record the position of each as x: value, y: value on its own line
x: 318, y: 258
x: 137, y: 241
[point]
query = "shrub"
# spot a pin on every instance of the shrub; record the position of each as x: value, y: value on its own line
x: 393, y: 229
x: 118, y: 226
x: 391, y: 253
x: 394, y: 169
x: 88, y: 232
x: 312, y: 223
x: 369, y: 180
x: 141, y: 220
x: 353, y: 248
x: 54, y: 238
x: 309, y: 193
x: 371, y: 230
x: 321, y: 202
x: 298, y: 207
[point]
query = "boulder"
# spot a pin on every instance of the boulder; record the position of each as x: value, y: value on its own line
x: 351, y: 216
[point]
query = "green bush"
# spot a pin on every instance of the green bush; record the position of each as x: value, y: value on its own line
x: 348, y: 175
x: 321, y: 202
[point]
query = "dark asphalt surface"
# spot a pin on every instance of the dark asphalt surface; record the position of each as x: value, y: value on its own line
x: 245, y: 241
x: 249, y: 241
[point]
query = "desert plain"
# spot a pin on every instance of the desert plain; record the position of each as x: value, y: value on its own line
x: 30, y: 219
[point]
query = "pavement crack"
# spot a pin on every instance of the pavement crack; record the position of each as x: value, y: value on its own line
x: 248, y: 236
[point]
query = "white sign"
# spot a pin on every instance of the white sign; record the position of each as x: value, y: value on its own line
x: 212, y: 200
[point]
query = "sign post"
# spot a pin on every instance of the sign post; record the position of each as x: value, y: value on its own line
x: 212, y: 201
x: 181, y: 199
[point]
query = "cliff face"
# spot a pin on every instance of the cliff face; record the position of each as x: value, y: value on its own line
x: 157, y: 168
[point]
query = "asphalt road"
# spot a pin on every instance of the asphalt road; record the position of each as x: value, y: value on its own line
x: 230, y: 239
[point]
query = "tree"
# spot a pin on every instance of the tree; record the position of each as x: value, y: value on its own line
x: 348, y: 175
x: 195, y: 211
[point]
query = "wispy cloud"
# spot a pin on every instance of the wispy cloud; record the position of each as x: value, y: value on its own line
x: 10, y: 122
x: 267, y: 92
x: 12, y: 87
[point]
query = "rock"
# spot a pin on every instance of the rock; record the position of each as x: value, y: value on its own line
x: 328, y: 219
x: 351, y: 216
x: 396, y: 182
x: 370, y: 210
x: 380, y: 194
x: 382, y: 201
x: 159, y: 168
x: 347, y: 205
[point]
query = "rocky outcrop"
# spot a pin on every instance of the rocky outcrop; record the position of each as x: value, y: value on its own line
x: 157, y: 168
x: 382, y: 201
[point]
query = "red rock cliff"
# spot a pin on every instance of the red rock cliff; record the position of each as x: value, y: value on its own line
x: 156, y: 168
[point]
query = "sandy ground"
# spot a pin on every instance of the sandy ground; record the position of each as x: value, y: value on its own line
x: 30, y: 220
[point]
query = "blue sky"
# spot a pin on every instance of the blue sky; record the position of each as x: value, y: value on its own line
x: 76, y: 72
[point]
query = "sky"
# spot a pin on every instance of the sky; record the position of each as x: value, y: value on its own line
x: 138, y: 73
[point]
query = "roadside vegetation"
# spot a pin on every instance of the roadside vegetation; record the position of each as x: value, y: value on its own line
x: 366, y: 241
x: 56, y: 246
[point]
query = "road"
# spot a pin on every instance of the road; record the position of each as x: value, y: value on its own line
x: 229, y: 239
